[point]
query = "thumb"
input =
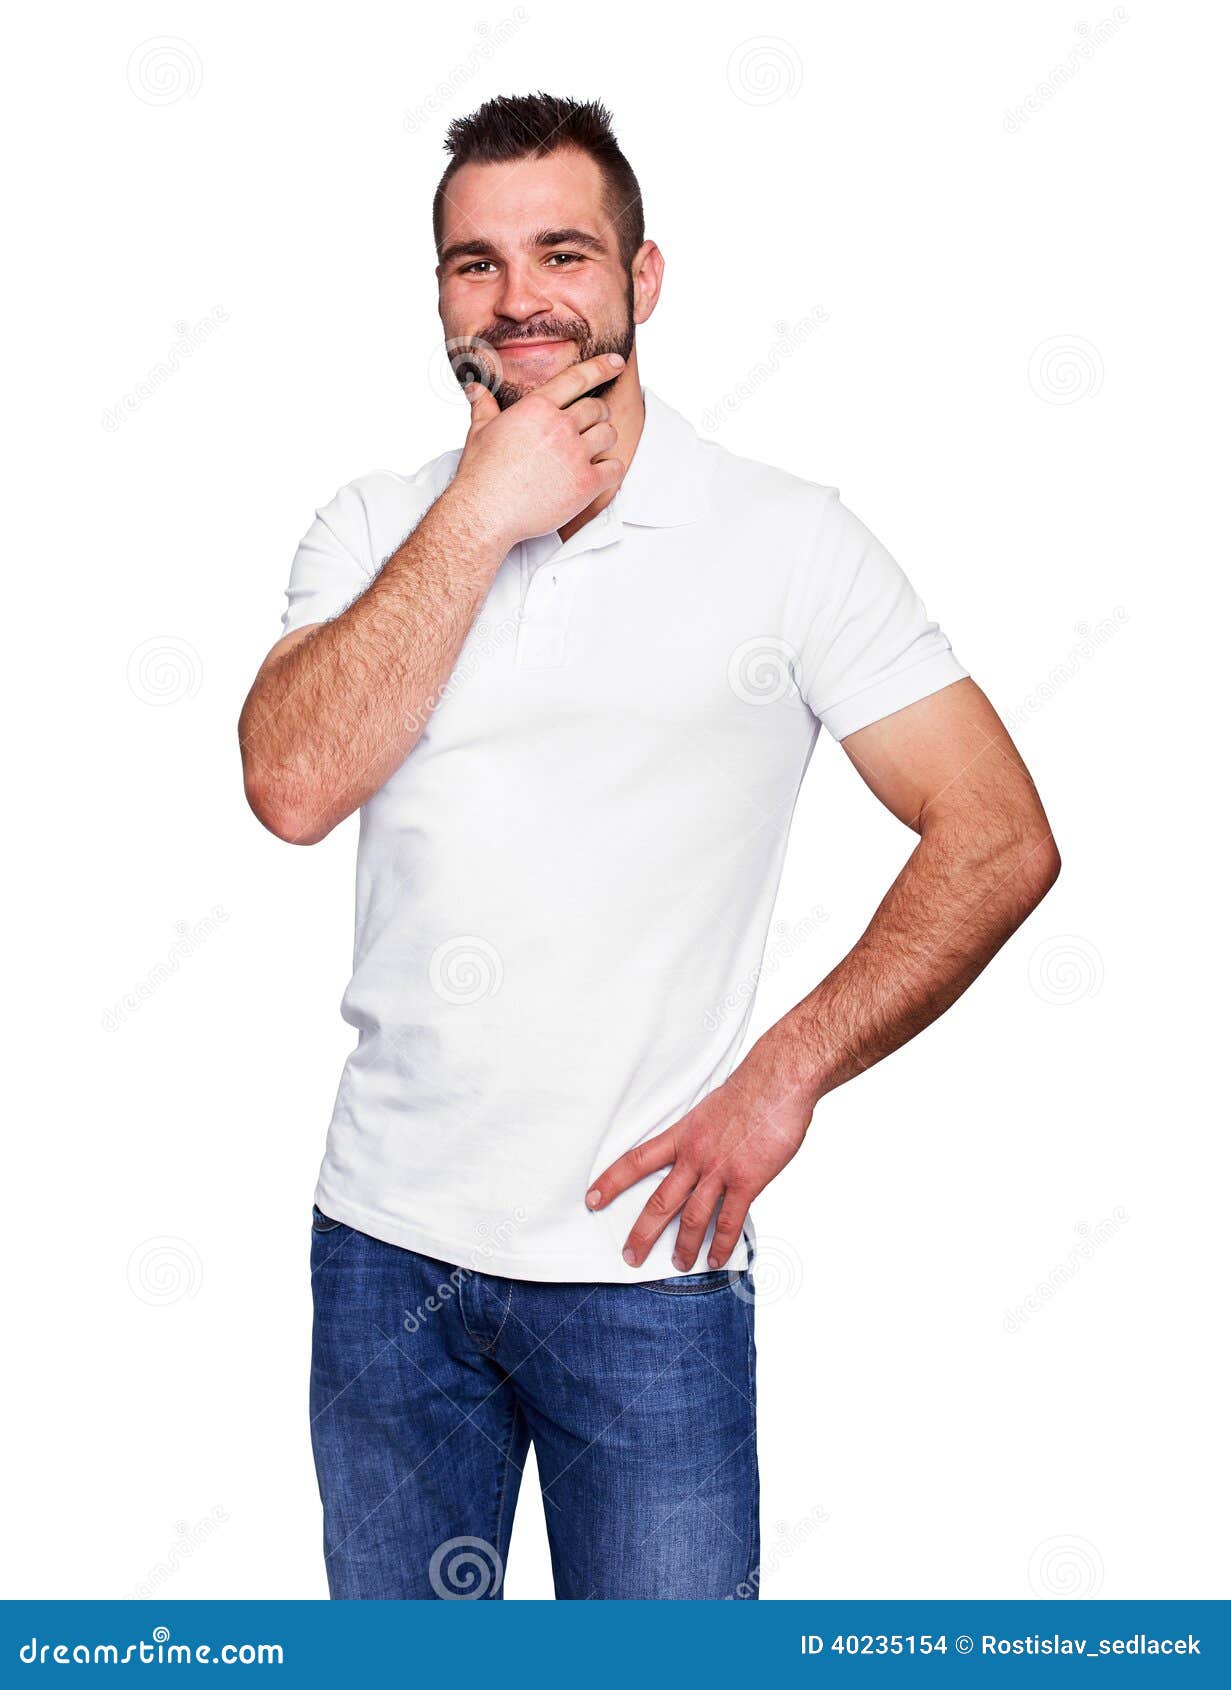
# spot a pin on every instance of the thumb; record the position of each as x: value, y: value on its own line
x: 483, y: 406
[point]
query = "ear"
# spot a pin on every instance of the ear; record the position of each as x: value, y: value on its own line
x: 647, y: 277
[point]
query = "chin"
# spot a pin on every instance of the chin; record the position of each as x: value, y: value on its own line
x: 515, y: 387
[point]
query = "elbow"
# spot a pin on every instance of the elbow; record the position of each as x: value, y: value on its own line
x: 1045, y: 867
x: 1037, y: 868
x: 277, y: 810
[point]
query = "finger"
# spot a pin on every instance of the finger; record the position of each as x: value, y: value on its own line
x: 599, y: 439
x: 665, y: 1202
x: 611, y: 473
x: 730, y: 1228
x: 577, y: 379
x: 483, y: 406
x: 694, y: 1222
x: 648, y: 1158
x: 586, y: 412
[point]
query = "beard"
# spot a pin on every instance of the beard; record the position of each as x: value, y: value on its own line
x: 467, y: 355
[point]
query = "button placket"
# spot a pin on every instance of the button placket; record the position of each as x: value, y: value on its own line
x: 550, y: 581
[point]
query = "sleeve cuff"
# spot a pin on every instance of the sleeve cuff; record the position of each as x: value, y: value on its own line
x: 895, y: 692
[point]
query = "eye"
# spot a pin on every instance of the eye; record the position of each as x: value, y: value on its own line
x: 473, y: 269
x: 564, y: 258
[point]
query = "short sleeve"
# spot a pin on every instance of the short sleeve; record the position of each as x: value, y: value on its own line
x: 333, y: 564
x: 869, y: 648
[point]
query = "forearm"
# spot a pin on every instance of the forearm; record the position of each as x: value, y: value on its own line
x: 329, y: 720
x: 946, y: 915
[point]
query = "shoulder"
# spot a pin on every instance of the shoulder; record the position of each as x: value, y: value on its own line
x: 373, y: 514
x: 788, y: 507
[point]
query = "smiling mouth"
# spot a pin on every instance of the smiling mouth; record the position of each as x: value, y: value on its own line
x: 527, y: 348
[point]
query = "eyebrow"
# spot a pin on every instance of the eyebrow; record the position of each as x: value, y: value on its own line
x: 544, y: 238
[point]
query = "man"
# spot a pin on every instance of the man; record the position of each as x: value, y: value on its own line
x: 572, y: 676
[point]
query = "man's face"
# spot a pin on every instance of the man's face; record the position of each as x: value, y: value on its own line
x: 530, y: 266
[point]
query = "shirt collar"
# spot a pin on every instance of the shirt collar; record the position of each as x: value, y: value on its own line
x: 668, y: 480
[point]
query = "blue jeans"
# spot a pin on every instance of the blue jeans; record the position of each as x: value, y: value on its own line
x: 430, y: 1382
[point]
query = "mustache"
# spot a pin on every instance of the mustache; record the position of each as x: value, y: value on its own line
x: 553, y: 328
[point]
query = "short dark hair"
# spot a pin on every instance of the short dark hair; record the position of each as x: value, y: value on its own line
x: 534, y: 125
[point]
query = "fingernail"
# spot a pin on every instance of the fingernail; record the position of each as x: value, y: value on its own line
x: 679, y: 1262
x: 615, y: 358
x: 593, y: 1197
x: 713, y: 1261
x: 630, y: 1256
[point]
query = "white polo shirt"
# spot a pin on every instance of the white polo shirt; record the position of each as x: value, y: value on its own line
x: 567, y: 884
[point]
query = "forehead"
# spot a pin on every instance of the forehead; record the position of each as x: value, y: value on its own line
x: 508, y: 203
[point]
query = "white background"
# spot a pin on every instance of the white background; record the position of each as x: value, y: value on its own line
x: 1020, y: 385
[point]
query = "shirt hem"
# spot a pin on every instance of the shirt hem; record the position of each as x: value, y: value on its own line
x: 569, y: 1268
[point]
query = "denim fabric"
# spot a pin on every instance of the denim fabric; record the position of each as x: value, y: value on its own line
x: 430, y: 1382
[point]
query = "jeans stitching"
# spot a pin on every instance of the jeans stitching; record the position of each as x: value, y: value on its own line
x: 754, y: 1489
x: 502, y: 1482
x: 666, y: 1289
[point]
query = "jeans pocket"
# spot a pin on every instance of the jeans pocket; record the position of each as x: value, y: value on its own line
x: 322, y: 1222
x: 690, y: 1284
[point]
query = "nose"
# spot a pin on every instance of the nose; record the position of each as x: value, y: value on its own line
x: 522, y: 295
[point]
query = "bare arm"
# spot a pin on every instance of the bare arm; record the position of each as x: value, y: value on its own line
x: 336, y: 708
x: 947, y: 768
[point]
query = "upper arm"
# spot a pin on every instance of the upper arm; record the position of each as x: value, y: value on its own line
x: 948, y: 760
x: 333, y: 563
